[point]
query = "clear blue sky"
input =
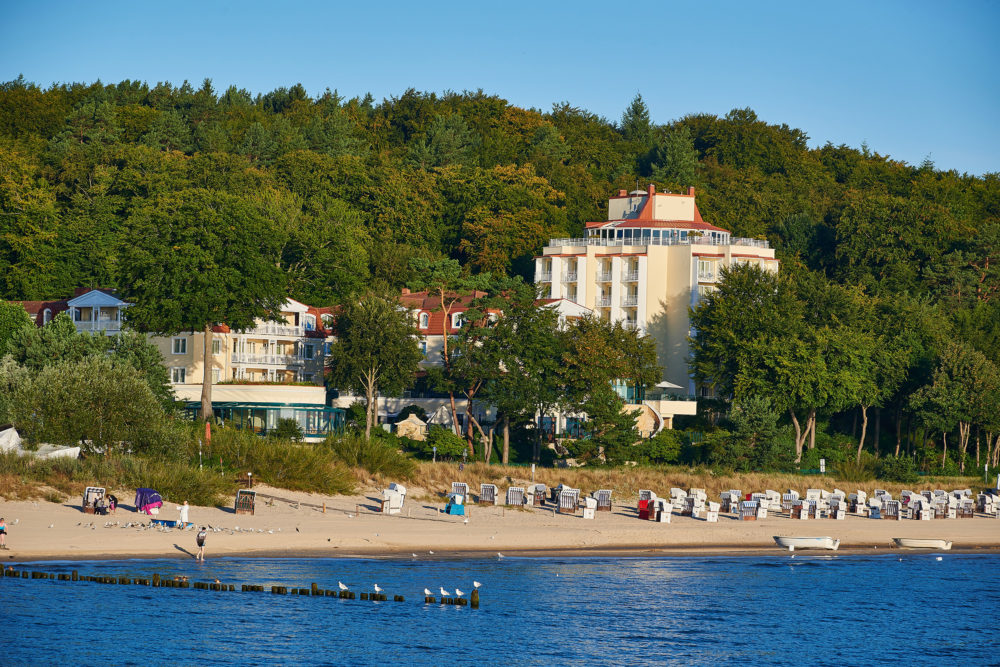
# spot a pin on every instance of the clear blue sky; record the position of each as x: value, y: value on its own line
x: 912, y: 79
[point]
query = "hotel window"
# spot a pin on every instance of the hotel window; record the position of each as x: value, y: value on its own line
x: 646, y: 235
x: 310, y: 322
x: 684, y: 235
x: 46, y: 316
x: 177, y: 375
x: 425, y: 320
x: 179, y: 346
x: 216, y: 374
x: 310, y: 351
x: 457, y: 320
x: 216, y: 347
x: 423, y: 347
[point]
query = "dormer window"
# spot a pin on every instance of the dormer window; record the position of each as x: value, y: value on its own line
x: 310, y: 322
x: 46, y: 316
x: 457, y: 320
x: 425, y: 320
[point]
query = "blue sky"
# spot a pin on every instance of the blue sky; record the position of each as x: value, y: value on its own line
x: 911, y: 79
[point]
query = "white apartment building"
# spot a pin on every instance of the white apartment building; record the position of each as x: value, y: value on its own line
x: 652, y: 259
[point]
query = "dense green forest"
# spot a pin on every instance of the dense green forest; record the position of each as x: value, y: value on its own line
x: 355, y: 189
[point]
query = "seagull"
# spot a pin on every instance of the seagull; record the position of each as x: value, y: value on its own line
x: 939, y: 558
x: 458, y: 593
x: 466, y: 521
x: 499, y: 556
x: 476, y: 584
x: 341, y: 586
x: 378, y: 589
x: 415, y: 555
x: 52, y: 525
x: 444, y: 593
x: 431, y: 552
x: 427, y: 592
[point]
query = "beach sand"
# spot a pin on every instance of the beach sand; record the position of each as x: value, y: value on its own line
x: 288, y: 524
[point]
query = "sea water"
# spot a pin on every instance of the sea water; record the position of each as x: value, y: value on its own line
x: 904, y: 608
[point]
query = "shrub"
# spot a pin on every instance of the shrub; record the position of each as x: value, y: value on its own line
x: 412, y: 410
x: 287, y: 429
x: 897, y: 469
x: 379, y: 456
x: 664, y: 447
x: 856, y: 471
x: 449, y: 445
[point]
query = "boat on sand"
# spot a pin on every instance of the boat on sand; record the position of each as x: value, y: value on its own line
x: 793, y: 543
x: 921, y: 543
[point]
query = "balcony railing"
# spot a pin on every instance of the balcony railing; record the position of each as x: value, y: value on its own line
x: 545, y: 277
x: 569, y: 277
x: 690, y: 240
x: 275, y: 329
x: 630, y: 276
x: 604, y: 302
x: 98, y: 325
x: 604, y: 277
x: 630, y: 325
x: 630, y: 300
x: 706, y: 276
x: 269, y: 359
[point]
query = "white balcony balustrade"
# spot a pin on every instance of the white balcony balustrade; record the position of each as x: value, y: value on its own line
x: 269, y: 359
x: 569, y: 277
x: 604, y: 277
x: 545, y: 277
x: 630, y: 300
x: 99, y: 325
x: 669, y: 240
x: 604, y: 302
x: 276, y: 329
x: 630, y: 276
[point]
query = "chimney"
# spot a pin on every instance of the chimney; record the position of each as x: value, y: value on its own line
x: 406, y: 290
x: 623, y: 193
x: 691, y: 191
x: 651, y: 190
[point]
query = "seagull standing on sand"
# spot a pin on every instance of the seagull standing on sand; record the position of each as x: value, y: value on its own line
x: 444, y: 593
x: 341, y: 586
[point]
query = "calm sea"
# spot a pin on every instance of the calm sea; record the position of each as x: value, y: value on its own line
x: 843, y: 610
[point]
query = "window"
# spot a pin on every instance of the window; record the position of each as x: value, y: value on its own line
x: 46, y: 316
x: 307, y: 377
x: 216, y: 346
x: 216, y: 374
x: 177, y: 375
x: 180, y: 346
x: 457, y: 320
x: 310, y: 351
x: 423, y: 347
x: 310, y: 322
x: 425, y: 320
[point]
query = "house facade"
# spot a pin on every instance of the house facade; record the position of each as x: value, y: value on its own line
x: 651, y: 260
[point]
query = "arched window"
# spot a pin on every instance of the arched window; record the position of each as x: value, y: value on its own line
x: 310, y: 322
x: 46, y: 316
x: 425, y: 320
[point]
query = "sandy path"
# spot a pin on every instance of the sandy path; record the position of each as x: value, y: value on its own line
x: 350, y: 526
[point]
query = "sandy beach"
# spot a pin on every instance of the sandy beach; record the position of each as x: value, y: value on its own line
x: 294, y: 524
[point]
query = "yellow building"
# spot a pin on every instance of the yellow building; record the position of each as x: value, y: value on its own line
x: 652, y: 259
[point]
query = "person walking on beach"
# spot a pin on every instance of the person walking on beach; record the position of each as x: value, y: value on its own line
x: 202, y: 534
x: 183, y: 509
x: 3, y: 533
x: 112, y: 503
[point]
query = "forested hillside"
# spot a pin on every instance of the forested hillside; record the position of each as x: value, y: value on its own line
x: 356, y: 188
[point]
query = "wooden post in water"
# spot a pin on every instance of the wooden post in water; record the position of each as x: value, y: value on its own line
x: 314, y: 588
x: 475, y: 598
x: 156, y: 579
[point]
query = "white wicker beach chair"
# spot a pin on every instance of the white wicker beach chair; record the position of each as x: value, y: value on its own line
x: 460, y: 488
x: 488, y: 494
x: 515, y: 496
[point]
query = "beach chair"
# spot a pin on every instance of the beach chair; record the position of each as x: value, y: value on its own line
x: 392, y: 501
x: 603, y: 498
x: 644, y: 509
x: 536, y: 495
x: 773, y: 500
x: 712, y: 515
x: 748, y: 510
x: 677, y: 496
x: 890, y: 510
x: 456, y: 504
x: 488, y: 494
x: 838, y: 509
x: 590, y: 507
x: 728, y: 499
x: 966, y: 509
x: 515, y: 496
x: 787, y: 503
x: 761, y: 509
x: 460, y: 488
x: 661, y: 510
x: 568, y: 501
x: 812, y: 494
x: 90, y: 497
x: 245, y: 501
x: 758, y: 496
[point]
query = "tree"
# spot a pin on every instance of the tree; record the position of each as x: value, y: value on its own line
x: 199, y: 258
x: 673, y: 158
x: 13, y: 318
x: 58, y: 341
x: 375, y: 351
x: 445, y: 281
x: 103, y: 405
x: 635, y: 125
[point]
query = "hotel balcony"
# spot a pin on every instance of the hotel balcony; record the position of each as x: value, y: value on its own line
x: 269, y: 359
x: 276, y: 329
x: 630, y: 300
x: 604, y: 277
x: 630, y: 276
x: 706, y: 277
x: 545, y: 277
x: 630, y: 325
x: 604, y: 302
x: 569, y: 277
x: 107, y: 326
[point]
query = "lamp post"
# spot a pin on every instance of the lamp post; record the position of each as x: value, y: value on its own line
x: 199, y: 453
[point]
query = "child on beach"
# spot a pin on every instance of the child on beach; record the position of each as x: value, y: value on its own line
x: 3, y: 533
x: 202, y: 534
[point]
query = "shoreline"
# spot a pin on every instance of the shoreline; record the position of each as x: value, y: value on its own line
x: 301, y: 525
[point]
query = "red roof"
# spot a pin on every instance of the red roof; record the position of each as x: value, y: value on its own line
x: 423, y: 302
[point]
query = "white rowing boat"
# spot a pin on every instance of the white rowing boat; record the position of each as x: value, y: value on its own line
x: 793, y: 543
x: 921, y: 543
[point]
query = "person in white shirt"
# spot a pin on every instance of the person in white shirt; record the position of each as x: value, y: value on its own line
x: 183, y: 509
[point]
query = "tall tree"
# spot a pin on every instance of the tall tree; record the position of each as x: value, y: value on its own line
x: 375, y: 351
x: 199, y: 258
